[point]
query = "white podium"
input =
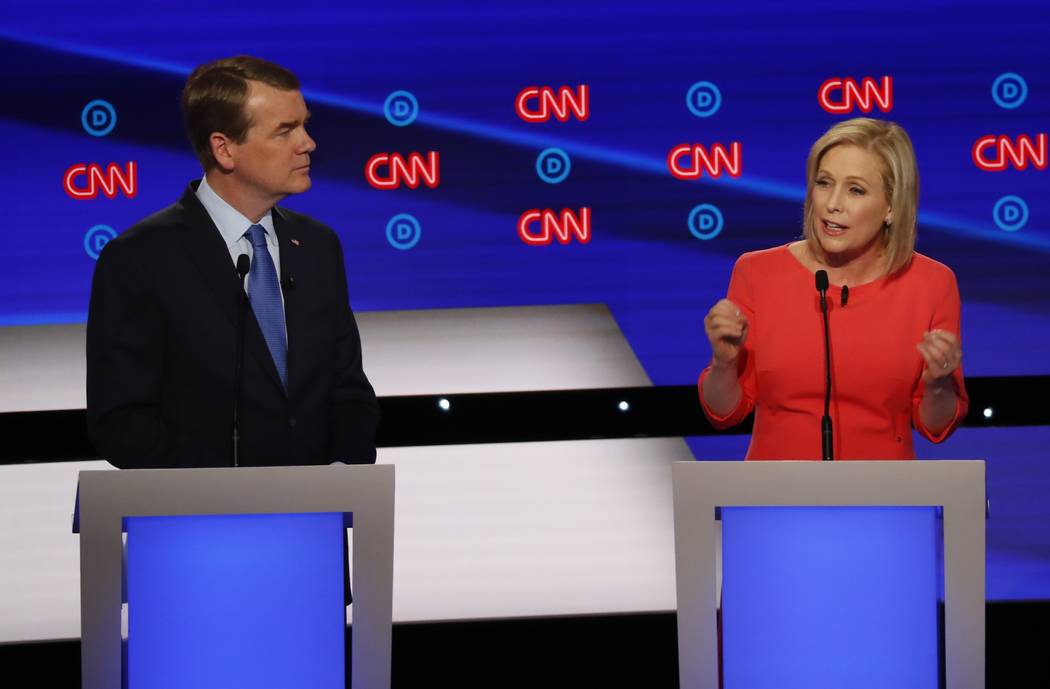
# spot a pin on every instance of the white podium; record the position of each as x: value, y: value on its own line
x: 111, y: 499
x: 700, y: 488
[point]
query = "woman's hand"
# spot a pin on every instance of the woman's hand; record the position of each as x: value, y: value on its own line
x: 942, y: 353
x: 726, y: 329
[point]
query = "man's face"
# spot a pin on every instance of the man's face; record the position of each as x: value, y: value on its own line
x: 273, y: 161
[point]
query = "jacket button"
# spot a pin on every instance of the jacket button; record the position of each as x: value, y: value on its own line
x: 291, y: 421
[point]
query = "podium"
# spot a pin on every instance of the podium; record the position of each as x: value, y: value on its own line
x: 280, y: 518
x: 888, y: 509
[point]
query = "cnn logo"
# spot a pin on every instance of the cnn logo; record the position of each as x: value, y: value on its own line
x: 994, y: 153
x: 540, y: 103
x: 540, y: 227
x: 691, y: 161
x: 85, y: 180
x: 391, y: 170
x: 839, y: 96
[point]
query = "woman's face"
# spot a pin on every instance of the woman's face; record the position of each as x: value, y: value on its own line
x: 849, y: 204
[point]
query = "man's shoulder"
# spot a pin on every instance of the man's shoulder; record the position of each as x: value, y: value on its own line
x: 303, y: 224
x: 164, y: 223
x: 164, y: 220
x: 153, y: 231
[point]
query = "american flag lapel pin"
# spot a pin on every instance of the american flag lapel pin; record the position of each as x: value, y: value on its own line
x: 295, y: 242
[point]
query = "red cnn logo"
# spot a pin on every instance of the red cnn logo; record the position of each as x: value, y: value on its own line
x: 841, y: 95
x: 537, y: 103
x: 699, y: 160
x: 398, y: 170
x: 1019, y: 152
x: 108, y: 179
x: 552, y: 226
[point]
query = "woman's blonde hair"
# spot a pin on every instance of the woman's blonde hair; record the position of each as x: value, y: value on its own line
x: 900, y: 179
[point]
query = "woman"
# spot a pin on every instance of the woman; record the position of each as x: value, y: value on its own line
x: 895, y: 349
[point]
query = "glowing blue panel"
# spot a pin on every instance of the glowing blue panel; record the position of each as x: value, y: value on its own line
x: 236, y: 601
x: 830, y: 597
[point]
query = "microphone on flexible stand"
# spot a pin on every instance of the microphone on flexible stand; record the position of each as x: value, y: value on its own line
x: 244, y: 265
x: 825, y: 421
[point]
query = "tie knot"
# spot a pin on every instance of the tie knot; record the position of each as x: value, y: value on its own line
x: 257, y: 236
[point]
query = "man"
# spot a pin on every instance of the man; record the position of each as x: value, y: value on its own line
x: 162, y: 324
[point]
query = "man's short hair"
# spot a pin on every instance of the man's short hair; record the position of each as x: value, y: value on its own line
x: 214, y: 97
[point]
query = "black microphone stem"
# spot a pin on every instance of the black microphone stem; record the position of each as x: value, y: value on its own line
x: 826, y: 447
x: 243, y: 266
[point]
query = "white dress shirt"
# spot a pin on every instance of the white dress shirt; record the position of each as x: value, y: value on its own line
x: 233, y: 226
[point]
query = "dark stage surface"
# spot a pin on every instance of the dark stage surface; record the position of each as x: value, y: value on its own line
x: 609, y: 651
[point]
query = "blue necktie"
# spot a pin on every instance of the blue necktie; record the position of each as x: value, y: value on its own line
x: 264, y: 292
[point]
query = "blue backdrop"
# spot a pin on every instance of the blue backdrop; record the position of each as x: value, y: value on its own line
x: 959, y: 73
x: 465, y: 62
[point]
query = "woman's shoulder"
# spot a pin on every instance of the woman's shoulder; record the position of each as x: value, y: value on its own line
x: 777, y: 255
x: 928, y: 270
x: 774, y: 268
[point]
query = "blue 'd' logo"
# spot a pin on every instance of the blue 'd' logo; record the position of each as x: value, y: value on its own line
x: 403, y: 231
x: 401, y: 108
x: 1009, y: 90
x: 553, y: 165
x: 96, y: 238
x: 1010, y: 213
x: 706, y: 221
x: 98, y: 118
x: 703, y: 99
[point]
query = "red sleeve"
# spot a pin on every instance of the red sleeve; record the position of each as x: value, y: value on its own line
x: 946, y: 316
x: 741, y: 293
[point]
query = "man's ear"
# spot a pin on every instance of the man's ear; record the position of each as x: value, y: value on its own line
x: 222, y: 150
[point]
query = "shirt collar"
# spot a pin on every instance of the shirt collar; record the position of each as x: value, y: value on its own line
x: 231, y: 223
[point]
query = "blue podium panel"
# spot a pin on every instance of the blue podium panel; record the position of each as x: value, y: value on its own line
x: 229, y: 601
x: 830, y: 597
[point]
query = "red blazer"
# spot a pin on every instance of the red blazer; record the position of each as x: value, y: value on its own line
x: 876, y: 370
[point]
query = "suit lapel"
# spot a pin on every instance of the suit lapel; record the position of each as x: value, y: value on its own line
x: 288, y: 242
x: 208, y: 251
x: 202, y: 241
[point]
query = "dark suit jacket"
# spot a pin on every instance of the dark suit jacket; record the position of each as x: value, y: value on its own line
x: 161, y: 351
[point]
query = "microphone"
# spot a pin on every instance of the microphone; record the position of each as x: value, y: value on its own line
x: 822, y: 285
x: 845, y: 294
x: 825, y: 421
x: 288, y: 282
x: 244, y: 265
